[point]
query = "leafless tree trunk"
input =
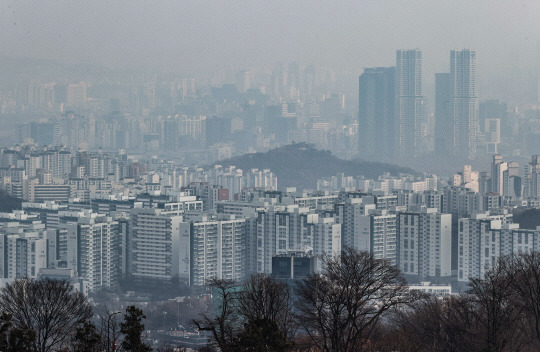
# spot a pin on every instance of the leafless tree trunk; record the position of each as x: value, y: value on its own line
x: 263, y: 297
x: 51, y: 308
x: 434, y: 324
x: 525, y: 278
x: 497, y: 313
x: 340, y: 308
x: 222, y: 322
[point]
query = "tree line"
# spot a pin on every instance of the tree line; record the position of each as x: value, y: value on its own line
x: 50, y: 315
x: 359, y: 303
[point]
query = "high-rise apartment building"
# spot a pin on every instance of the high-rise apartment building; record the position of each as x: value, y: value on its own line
x: 425, y: 242
x: 23, y: 252
x: 365, y: 228
x: 483, y: 240
x: 88, y: 244
x: 376, y: 119
x: 409, y: 100
x: 351, y: 216
x: 159, y: 250
x: 218, y: 249
x: 377, y: 234
x: 326, y: 236
x: 279, y: 231
x: 505, y: 179
x: 531, y: 180
x: 463, y: 102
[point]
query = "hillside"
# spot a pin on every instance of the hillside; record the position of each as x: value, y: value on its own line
x: 300, y: 165
x: 527, y: 219
x: 8, y: 203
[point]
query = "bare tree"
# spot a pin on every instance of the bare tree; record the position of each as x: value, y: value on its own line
x: 524, y: 274
x: 340, y: 308
x: 50, y: 308
x: 499, y: 317
x: 440, y: 325
x: 265, y: 298
x: 222, y: 322
x: 13, y: 339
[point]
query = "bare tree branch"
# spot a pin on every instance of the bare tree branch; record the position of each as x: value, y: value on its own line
x: 50, y: 308
x: 340, y: 308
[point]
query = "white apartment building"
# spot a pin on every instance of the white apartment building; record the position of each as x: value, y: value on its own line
x: 377, y: 234
x: 483, y: 240
x: 280, y: 229
x: 24, y: 251
x: 89, y: 244
x: 365, y: 228
x: 351, y: 214
x: 158, y: 249
x: 425, y: 243
x: 325, y: 235
x: 218, y: 249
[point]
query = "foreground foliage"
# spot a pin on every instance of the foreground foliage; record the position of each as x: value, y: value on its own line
x: 52, y: 310
x: 49, y: 315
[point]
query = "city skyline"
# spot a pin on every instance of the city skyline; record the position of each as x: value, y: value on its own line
x: 243, y: 170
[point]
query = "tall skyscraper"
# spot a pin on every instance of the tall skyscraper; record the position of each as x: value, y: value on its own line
x: 463, y: 102
x: 376, y: 120
x: 443, y: 125
x: 409, y: 99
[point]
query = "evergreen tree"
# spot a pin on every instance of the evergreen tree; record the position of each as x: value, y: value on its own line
x: 133, y: 328
x: 86, y: 338
x: 14, y: 339
x: 263, y: 335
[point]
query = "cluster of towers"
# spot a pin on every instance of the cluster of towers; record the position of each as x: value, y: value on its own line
x: 391, y: 108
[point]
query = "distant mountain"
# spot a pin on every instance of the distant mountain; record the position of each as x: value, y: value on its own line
x: 301, y: 165
x: 8, y: 203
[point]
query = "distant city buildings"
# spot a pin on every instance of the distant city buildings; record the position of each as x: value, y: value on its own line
x: 132, y: 179
x: 76, y: 94
x: 392, y: 116
x: 165, y: 223
x: 376, y: 112
x: 409, y: 103
x: 462, y: 125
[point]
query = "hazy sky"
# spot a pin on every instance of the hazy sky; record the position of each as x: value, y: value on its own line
x: 204, y: 35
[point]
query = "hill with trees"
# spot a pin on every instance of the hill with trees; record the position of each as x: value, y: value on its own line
x: 8, y: 203
x: 527, y: 219
x: 301, y: 165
